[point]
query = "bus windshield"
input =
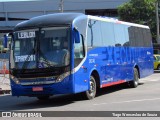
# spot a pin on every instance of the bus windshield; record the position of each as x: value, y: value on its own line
x: 41, y: 48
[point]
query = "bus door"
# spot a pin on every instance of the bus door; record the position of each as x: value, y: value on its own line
x: 80, y: 76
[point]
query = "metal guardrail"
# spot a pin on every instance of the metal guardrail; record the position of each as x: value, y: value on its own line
x: 4, y: 77
x: 4, y: 56
x: 4, y: 63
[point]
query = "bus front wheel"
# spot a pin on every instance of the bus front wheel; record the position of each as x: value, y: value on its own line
x: 134, y: 83
x: 91, y: 93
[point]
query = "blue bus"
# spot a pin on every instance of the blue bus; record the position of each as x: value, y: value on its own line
x: 69, y: 53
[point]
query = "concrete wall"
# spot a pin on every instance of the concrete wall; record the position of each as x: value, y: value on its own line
x: 53, y: 5
x: 29, y: 9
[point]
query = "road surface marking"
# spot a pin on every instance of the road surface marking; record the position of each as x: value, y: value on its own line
x: 149, y: 80
x: 129, y: 101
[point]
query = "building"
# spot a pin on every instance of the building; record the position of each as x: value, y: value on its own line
x: 12, y: 13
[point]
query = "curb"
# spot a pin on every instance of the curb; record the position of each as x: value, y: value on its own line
x: 2, y: 92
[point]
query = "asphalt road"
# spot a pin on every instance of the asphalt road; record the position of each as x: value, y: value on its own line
x: 146, y: 97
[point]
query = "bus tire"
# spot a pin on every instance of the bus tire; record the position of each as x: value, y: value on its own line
x: 43, y: 98
x: 134, y: 83
x: 90, y: 94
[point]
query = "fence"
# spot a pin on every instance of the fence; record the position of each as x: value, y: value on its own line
x: 4, y: 66
x: 4, y: 63
x: 4, y: 73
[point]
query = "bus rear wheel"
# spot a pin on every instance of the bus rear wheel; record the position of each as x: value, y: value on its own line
x: 134, y: 83
x: 91, y: 93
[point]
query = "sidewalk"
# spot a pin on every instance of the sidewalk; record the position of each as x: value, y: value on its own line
x: 4, y: 84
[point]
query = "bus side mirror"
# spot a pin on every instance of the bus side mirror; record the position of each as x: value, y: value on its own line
x: 10, y: 35
x: 76, y: 35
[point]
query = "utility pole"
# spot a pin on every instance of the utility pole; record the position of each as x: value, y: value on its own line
x: 61, y: 5
x: 157, y: 20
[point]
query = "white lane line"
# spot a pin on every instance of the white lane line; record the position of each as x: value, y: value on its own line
x: 129, y: 101
x: 153, y: 80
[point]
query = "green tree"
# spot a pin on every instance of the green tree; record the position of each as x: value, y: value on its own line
x: 141, y: 12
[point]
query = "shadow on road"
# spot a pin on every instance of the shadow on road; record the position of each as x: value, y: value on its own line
x: 9, y: 103
x: 114, y: 88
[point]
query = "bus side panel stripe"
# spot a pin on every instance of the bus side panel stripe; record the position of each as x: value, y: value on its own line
x: 113, y: 83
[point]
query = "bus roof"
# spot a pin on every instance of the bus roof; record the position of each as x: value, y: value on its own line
x: 57, y: 19
x: 61, y: 19
x: 106, y: 19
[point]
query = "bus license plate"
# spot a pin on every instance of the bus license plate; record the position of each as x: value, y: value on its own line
x: 35, y: 89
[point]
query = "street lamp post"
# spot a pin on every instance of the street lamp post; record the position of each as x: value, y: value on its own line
x: 61, y: 6
x: 157, y: 19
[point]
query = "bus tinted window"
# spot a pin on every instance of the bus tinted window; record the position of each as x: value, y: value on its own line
x: 78, y: 52
x: 94, y: 34
x: 139, y: 36
x: 150, y: 37
x: 126, y: 36
x: 107, y: 31
x: 102, y: 33
x: 131, y: 32
x: 119, y: 33
x: 147, y: 37
x: 89, y: 36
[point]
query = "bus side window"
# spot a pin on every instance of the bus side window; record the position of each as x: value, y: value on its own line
x: 79, y: 51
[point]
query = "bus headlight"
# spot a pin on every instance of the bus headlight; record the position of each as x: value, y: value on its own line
x: 14, y: 79
x: 61, y: 77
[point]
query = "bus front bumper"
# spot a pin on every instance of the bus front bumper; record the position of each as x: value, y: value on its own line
x: 64, y: 87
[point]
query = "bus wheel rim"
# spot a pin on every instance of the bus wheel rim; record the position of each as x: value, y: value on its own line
x: 136, y: 79
x: 92, y: 88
